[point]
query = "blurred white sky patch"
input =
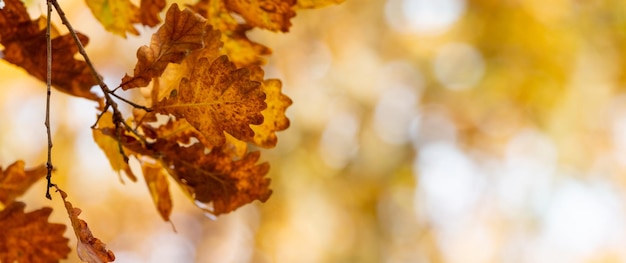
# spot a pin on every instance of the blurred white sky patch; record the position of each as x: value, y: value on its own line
x: 423, y: 17
x: 529, y: 167
x: 583, y: 217
x: 1, y: 4
x: 449, y: 184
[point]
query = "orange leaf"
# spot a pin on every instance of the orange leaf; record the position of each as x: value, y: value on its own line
x: 28, y: 237
x: 89, y: 248
x: 149, y: 11
x: 182, y: 32
x: 274, y: 118
x: 217, y: 98
x: 237, y: 46
x: 242, y: 51
x: 14, y: 181
x: 156, y: 179
x: 25, y: 46
x: 268, y: 14
x: 317, y: 3
x: 111, y: 147
x: 216, y: 179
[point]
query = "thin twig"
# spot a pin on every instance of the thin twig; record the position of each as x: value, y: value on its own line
x: 48, y: 93
x: 135, y: 105
x: 105, y: 89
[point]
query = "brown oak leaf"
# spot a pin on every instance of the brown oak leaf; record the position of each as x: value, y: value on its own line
x: 149, y: 11
x: 182, y: 32
x: 25, y: 46
x: 89, y: 248
x: 29, y: 237
x: 14, y: 181
x: 237, y: 46
x: 217, y: 98
x: 216, y: 179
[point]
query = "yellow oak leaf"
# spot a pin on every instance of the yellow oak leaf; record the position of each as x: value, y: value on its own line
x: 317, y: 3
x: 117, y: 16
x: 156, y: 179
x: 14, y: 181
x: 29, y: 237
x: 111, y: 147
x: 217, y: 98
x: 274, y: 118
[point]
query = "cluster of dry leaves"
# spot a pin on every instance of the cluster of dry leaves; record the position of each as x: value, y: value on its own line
x: 207, y: 101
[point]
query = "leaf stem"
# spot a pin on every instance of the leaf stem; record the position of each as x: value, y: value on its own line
x: 135, y: 105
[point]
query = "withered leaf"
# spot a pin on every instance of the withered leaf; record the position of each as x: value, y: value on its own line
x: 181, y: 33
x: 29, y: 237
x: 110, y: 146
x: 237, y: 46
x: 14, y: 181
x: 89, y: 248
x: 268, y: 14
x: 156, y: 179
x: 174, y: 73
x: 274, y: 118
x: 25, y: 46
x: 149, y: 11
x: 216, y: 179
x: 217, y: 98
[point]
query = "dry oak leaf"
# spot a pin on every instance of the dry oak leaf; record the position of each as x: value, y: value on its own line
x: 29, y: 237
x: 117, y: 16
x: 274, y: 15
x: 104, y: 136
x: 25, y: 46
x: 156, y: 179
x: 217, y: 98
x: 174, y: 73
x: 218, y: 180
x: 274, y: 118
x: 306, y: 4
x: 14, y: 181
x: 182, y: 32
x: 237, y: 46
x: 149, y: 11
x: 89, y: 248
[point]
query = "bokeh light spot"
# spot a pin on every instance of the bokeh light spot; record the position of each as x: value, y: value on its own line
x: 458, y: 66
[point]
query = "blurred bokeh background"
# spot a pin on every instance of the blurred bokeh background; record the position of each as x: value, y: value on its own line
x: 421, y: 131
